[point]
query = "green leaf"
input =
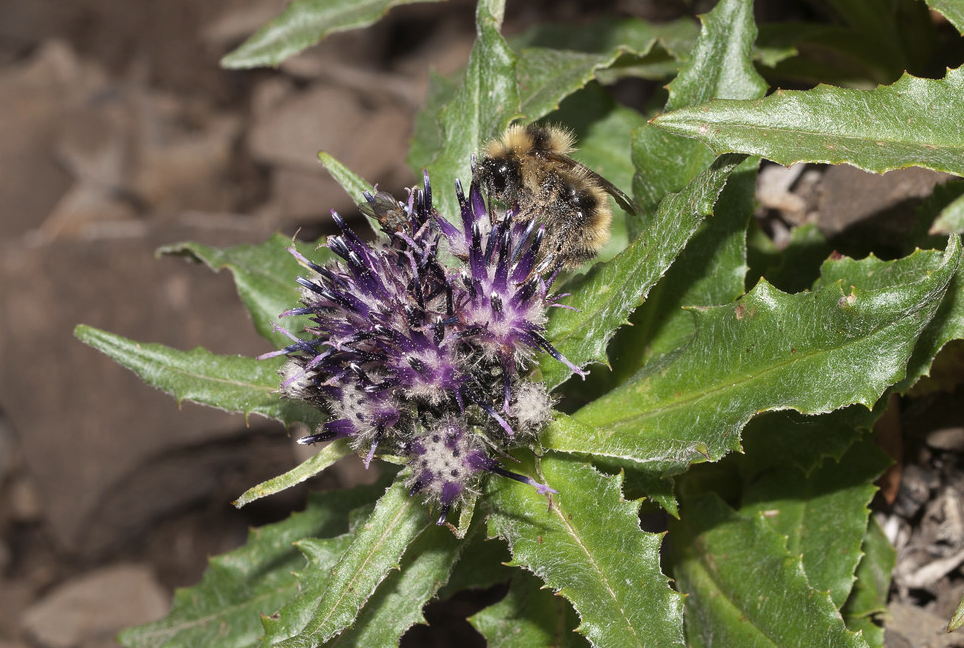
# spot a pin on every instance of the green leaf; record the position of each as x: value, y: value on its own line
x: 946, y: 325
x: 789, y: 440
x: 865, y: 42
x: 743, y: 587
x: 546, y: 76
x: 225, y: 607
x: 868, y: 599
x: 882, y: 28
x: 951, y: 218
x: 603, y: 299
x: 823, y: 515
x: 351, y: 182
x: 589, y: 548
x: 647, y: 50
x: 770, y: 54
x: 639, y: 483
x: 609, y: 34
x: 529, y: 615
x: 376, y: 548
x: 484, y: 566
x: 665, y: 163
x: 793, y: 268
x: 265, y: 276
x: 230, y: 383
x: 843, y: 55
x: 397, y: 603
x: 914, y: 122
x: 721, y: 66
x: 957, y: 619
x: 937, y: 217
x: 478, y: 110
x: 304, y: 23
x: 709, y: 271
x: 953, y: 10
x: 322, y: 554
x: 764, y: 353
x: 427, y: 139
x: 305, y: 470
x: 498, y: 87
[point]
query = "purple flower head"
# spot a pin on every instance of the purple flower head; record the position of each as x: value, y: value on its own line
x: 445, y: 462
x: 417, y: 342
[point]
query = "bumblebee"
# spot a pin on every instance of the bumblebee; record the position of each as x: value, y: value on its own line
x: 529, y: 168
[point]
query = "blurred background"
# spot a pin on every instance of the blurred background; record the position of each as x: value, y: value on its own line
x: 120, y: 133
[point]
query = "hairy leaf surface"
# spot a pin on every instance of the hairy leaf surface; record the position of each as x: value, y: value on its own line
x: 529, y: 615
x: 474, y: 112
x: 224, y: 608
x: 397, y: 603
x: 744, y: 588
x: 824, y: 515
x: 913, y: 122
x: 953, y: 10
x: 589, y: 548
x: 761, y: 354
x: 376, y: 548
x: 868, y: 599
x: 304, y: 23
x: 230, y: 383
x: 305, y: 470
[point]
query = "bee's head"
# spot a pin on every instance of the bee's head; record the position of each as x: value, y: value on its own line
x: 499, y: 178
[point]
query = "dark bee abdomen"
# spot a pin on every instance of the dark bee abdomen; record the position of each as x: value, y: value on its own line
x: 585, y: 202
x: 577, y: 220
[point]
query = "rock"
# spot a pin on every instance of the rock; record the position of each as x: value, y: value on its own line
x: 873, y: 208
x: 34, y: 98
x: 947, y: 438
x: 291, y: 128
x: 299, y: 196
x: 93, y: 437
x: 11, y: 644
x: 185, y: 169
x: 96, y: 606
x: 16, y: 594
x: 913, y: 626
x: 239, y: 19
x: 25, y: 504
x: 291, y: 134
x: 147, y: 149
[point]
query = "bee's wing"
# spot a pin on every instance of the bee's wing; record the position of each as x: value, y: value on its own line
x: 622, y: 199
